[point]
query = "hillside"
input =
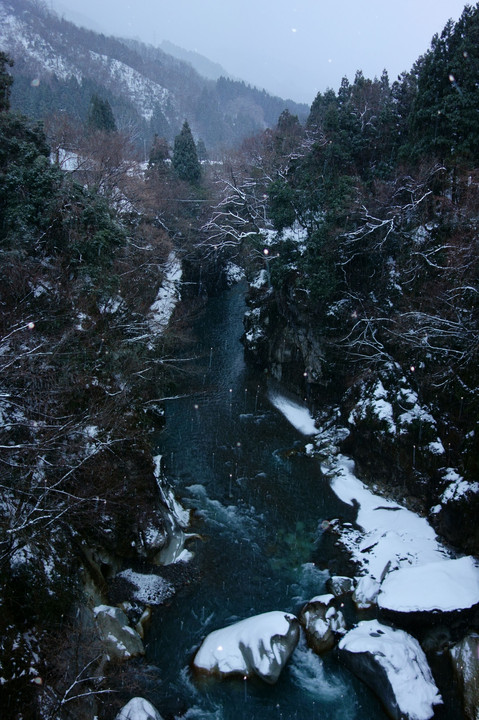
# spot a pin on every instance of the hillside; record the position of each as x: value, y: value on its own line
x: 58, y: 67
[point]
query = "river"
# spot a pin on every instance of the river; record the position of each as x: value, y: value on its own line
x: 261, y: 507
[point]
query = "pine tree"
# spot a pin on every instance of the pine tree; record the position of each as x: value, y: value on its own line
x: 185, y: 156
x: 201, y: 150
x: 100, y: 115
x: 6, y: 81
x: 444, y: 115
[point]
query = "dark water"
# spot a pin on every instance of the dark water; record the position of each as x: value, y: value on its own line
x: 259, y: 506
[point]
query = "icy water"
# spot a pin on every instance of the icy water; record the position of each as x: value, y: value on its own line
x: 260, y: 507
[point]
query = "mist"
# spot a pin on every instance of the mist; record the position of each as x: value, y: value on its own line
x: 292, y: 49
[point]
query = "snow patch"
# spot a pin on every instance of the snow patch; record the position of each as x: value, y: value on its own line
x: 296, y: 413
x: 234, y: 273
x: 168, y: 295
x: 378, y: 406
x: 399, y: 550
x: 260, y: 280
x: 143, y: 92
x: 150, y: 589
x: 389, y: 535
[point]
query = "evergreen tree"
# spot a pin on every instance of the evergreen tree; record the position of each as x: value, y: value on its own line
x: 288, y: 134
x: 28, y: 181
x: 6, y: 81
x: 100, y: 115
x: 444, y: 116
x: 185, y: 156
x: 201, y: 150
x: 324, y: 111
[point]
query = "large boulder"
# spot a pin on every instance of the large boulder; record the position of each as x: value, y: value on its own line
x: 120, y: 640
x: 465, y: 661
x: 321, y: 622
x: 260, y: 645
x: 394, y: 666
x: 138, y: 709
x: 445, y: 586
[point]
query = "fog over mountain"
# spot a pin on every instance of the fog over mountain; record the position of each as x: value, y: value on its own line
x: 202, y: 64
x: 292, y: 49
x: 59, y: 66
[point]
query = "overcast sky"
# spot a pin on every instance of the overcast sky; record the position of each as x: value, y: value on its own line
x: 292, y: 48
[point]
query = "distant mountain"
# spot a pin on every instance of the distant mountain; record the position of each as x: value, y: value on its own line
x: 205, y: 67
x: 59, y: 66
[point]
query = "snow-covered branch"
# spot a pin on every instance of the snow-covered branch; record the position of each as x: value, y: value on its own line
x: 239, y: 214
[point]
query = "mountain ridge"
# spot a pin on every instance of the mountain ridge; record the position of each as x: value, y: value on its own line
x: 202, y: 64
x: 59, y: 66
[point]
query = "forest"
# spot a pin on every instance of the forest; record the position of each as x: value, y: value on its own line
x: 362, y: 221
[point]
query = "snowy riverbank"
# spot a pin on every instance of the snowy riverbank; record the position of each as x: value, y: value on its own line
x: 388, y: 542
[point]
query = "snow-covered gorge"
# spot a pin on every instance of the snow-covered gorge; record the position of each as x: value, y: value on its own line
x: 265, y: 483
x: 271, y: 494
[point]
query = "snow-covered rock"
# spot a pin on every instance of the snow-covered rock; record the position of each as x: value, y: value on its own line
x: 340, y: 585
x: 120, y: 640
x: 394, y: 666
x: 176, y: 520
x: 148, y: 589
x: 138, y: 709
x: 399, y: 551
x: 465, y: 661
x: 445, y: 586
x: 321, y: 621
x: 366, y: 592
x: 260, y: 645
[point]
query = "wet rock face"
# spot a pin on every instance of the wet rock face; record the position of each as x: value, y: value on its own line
x: 282, y: 341
x: 465, y: 662
x: 456, y: 520
x: 260, y: 645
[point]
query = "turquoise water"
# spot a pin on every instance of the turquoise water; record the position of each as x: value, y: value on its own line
x: 259, y: 504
